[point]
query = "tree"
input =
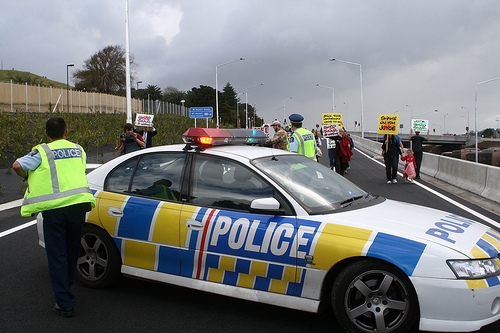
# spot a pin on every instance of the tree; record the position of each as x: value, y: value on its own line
x: 204, y: 96
x: 104, y: 71
x: 229, y: 96
x: 151, y: 92
x: 173, y: 95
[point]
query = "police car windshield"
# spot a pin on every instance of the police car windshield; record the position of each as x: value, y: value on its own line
x: 317, y: 188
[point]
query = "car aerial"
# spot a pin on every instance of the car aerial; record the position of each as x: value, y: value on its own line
x: 224, y: 215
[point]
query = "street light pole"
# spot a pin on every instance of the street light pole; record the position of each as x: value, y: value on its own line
x: 361, y: 90
x: 246, y: 103
x: 333, y: 95
x: 444, y: 123
x: 67, y: 84
x: 216, y: 87
x: 284, y: 115
x: 475, y: 110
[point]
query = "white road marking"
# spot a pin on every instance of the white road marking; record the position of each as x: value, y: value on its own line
x: 19, y: 227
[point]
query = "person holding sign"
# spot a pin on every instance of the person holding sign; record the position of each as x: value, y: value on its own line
x: 301, y: 141
x: 147, y: 135
x: 418, y: 152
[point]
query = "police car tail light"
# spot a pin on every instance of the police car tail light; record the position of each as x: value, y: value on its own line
x: 218, y: 136
x: 475, y: 269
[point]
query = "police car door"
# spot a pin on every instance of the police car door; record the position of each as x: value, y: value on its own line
x: 221, y: 241
x: 140, y: 207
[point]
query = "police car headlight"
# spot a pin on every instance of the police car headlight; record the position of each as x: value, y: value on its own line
x: 474, y: 269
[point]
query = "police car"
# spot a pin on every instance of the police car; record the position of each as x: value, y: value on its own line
x: 275, y: 227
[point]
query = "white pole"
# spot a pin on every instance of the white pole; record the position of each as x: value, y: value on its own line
x: 127, y: 61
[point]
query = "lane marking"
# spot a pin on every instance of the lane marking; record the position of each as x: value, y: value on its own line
x: 442, y: 196
x: 11, y: 204
x: 20, y: 227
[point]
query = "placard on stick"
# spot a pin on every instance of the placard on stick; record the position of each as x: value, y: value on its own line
x: 332, y: 118
x: 388, y: 124
x: 144, y: 120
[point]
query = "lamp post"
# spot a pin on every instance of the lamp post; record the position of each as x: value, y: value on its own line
x: 475, y: 109
x: 444, y: 123
x: 67, y: 84
x: 138, y: 85
x: 361, y: 90
x: 284, y: 115
x: 216, y: 87
x: 333, y: 95
x: 468, y: 129
x: 246, y: 103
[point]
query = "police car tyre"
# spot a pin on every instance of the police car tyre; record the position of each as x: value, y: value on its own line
x: 373, y: 296
x: 99, y: 262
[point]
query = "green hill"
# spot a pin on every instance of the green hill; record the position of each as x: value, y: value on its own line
x: 30, y: 78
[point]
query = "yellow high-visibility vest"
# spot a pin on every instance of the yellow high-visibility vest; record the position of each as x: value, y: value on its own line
x: 306, y: 143
x: 60, y: 179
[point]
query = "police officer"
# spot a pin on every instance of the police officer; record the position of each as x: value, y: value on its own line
x: 301, y: 141
x: 58, y: 188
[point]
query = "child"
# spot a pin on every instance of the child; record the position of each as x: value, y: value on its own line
x: 410, y: 166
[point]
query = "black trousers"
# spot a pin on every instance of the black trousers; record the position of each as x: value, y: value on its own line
x: 391, y: 167
x: 418, y: 161
x: 62, y: 230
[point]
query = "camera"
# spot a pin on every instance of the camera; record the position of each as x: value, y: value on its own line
x: 127, y: 138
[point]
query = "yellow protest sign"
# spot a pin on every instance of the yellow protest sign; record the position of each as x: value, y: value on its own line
x: 388, y: 124
x: 332, y: 118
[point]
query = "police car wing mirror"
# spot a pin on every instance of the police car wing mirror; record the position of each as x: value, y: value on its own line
x: 266, y: 206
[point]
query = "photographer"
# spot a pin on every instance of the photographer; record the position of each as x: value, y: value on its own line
x: 130, y: 141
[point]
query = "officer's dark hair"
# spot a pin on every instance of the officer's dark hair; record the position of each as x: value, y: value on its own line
x: 297, y: 124
x: 55, y: 128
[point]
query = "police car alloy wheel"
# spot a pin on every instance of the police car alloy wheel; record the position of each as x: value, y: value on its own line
x: 370, y: 295
x: 99, y: 263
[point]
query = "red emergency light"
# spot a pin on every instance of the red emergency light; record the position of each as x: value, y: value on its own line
x: 220, y: 136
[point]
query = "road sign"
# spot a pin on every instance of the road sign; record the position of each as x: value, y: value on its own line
x: 205, y: 112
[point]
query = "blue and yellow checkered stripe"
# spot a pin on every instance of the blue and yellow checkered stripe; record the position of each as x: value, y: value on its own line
x: 488, y: 246
x: 254, y: 274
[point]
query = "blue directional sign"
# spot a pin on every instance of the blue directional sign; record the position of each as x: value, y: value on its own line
x: 205, y: 112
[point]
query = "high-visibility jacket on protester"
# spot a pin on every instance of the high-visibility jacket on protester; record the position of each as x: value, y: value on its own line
x: 60, y: 179
x: 306, y: 142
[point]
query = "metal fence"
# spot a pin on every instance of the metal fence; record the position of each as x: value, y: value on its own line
x: 24, y: 97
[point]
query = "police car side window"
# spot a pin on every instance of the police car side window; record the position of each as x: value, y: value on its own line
x: 225, y: 184
x: 159, y: 176
x: 118, y: 180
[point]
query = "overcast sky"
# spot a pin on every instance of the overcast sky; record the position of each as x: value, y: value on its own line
x: 416, y: 56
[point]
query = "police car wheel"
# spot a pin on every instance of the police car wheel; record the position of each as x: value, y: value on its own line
x: 373, y: 296
x: 99, y: 262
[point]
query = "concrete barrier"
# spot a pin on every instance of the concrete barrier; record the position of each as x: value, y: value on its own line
x: 480, y: 179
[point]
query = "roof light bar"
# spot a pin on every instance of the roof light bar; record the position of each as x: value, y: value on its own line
x: 219, y: 136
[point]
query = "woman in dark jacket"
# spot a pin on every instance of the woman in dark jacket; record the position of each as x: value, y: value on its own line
x: 391, y: 158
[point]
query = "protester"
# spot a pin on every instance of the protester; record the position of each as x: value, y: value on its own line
x: 418, y: 151
x: 345, y: 150
x: 319, y: 153
x: 130, y: 141
x: 301, y: 141
x: 147, y: 135
x: 280, y: 138
x: 63, y: 207
x: 410, y: 166
x: 391, y: 157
